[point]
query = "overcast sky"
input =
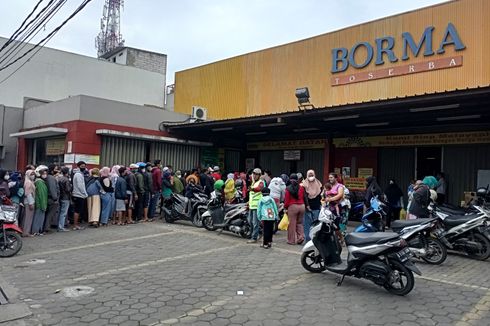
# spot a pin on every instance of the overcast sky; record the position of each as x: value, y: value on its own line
x: 196, y: 32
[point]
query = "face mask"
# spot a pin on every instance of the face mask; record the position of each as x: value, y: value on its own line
x: 6, y: 177
x: 311, y: 179
x: 82, y: 169
x: 32, y: 177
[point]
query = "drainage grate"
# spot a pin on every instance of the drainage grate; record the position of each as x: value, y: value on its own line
x: 3, y: 297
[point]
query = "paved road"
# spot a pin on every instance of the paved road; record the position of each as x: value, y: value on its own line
x: 158, y: 274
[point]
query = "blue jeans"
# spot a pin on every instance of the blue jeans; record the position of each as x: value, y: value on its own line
x: 254, y: 223
x: 106, y: 200
x: 64, y: 206
x: 153, y: 204
x: 310, y: 217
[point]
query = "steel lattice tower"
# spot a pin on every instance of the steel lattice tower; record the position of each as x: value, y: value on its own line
x: 110, y: 36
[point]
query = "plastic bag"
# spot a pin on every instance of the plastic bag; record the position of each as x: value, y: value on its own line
x: 403, y: 214
x: 283, y: 225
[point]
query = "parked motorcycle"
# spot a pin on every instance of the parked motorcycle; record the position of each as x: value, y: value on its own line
x: 227, y: 217
x: 373, y: 219
x: 179, y: 207
x: 10, y: 235
x: 468, y: 234
x: 381, y: 257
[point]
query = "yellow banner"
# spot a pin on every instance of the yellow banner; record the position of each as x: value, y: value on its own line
x: 55, y: 147
x: 472, y: 137
x: 287, y: 144
x: 355, y: 183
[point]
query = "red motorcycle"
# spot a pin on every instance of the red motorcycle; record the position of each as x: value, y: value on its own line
x: 10, y: 233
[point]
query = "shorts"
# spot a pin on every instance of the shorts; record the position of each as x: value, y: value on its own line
x: 78, y: 205
x: 120, y: 205
x: 130, y: 199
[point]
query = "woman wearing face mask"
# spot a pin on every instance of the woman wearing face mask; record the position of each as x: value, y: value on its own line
x: 29, y: 201
x: 4, y: 183
x: 313, y: 189
x: 41, y: 200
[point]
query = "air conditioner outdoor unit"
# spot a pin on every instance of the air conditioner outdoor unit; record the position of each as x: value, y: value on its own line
x: 199, y: 113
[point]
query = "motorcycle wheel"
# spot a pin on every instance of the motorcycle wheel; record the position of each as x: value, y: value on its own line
x: 197, y: 219
x: 311, y: 262
x: 436, y: 252
x: 485, y: 251
x: 10, y: 245
x: 167, y: 217
x: 207, y: 222
x: 400, y: 281
x: 246, y: 231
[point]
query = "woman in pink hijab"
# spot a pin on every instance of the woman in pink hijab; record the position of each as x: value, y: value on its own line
x: 29, y: 196
x: 313, y: 188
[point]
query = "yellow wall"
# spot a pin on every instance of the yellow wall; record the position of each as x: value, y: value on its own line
x: 263, y: 82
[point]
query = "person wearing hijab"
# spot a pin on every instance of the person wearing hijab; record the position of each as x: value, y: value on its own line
x: 29, y: 201
x: 313, y: 188
x: 106, y: 195
x: 419, y: 205
x: 294, y: 206
x: 394, y: 196
x: 230, y: 190
x: 41, y: 200
x: 93, y: 200
x: 372, y: 190
x: 278, y: 190
x: 167, y: 184
x: 4, y: 183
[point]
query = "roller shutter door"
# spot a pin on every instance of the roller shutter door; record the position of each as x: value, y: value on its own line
x: 180, y: 157
x: 122, y: 151
x: 396, y: 163
x: 311, y: 160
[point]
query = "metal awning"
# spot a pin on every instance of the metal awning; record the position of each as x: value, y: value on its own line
x: 125, y: 134
x: 41, y: 132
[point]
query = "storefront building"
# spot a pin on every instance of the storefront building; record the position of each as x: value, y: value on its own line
x: 102, y: 133
x: 401, y: 97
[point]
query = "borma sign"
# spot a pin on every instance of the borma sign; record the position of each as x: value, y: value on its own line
x: 383, y: 47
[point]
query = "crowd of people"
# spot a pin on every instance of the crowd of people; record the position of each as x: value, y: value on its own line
x: 48, y: 195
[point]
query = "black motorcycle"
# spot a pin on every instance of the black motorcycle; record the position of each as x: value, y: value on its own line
x: 179, y: 207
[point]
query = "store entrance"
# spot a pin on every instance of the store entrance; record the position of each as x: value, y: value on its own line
x: 428, y: 161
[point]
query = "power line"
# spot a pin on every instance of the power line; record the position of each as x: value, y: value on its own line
x: 45, y: 40
x: 32, y: 31
x: 15, y: 34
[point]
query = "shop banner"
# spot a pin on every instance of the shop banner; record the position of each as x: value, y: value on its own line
x: 364, y: 172
x: 355, y: 183
x: 88, y: 159
x: 472, y: 137
x: 294, y: 155
x: 287, y: 144
x: 55, y: 147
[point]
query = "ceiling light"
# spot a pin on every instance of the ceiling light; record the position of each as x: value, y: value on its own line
x: 460, y: 117
x: 345, y: 117
x: 435, y: 108
x: 374, y: 124
x: 222, y: 129
x: 257, y: 133
x: 305, y: 129
x: 273, y: 124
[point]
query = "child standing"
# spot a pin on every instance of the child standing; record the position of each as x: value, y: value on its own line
x: 267, y: 213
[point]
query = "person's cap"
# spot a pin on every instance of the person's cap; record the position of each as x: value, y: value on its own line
x: 257, y: 171
x: 178, y: 174
x: 133, y: 166
x: 165, y: 169
x: 216, y: 168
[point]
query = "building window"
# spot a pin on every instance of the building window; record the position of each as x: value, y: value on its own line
x: 49, y: 151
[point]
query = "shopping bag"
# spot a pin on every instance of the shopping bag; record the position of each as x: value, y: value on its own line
x: 403, y: 214
x: 283, y: 225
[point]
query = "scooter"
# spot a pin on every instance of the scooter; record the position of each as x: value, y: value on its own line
x: 381, y: 257
x: 10, y: 233
x: 372, y: 220
x: 468, y: 234
x: 179, y: 207
x: 226, y: 217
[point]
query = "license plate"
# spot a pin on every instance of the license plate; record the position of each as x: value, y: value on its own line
x: 404, y: 255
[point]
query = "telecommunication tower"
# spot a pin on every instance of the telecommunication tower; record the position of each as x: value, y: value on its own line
x: 110, y: 36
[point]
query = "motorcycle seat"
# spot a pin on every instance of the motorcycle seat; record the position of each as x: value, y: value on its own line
x: 400, y: 224
x: 455, y: 220
x: 359, y: 238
